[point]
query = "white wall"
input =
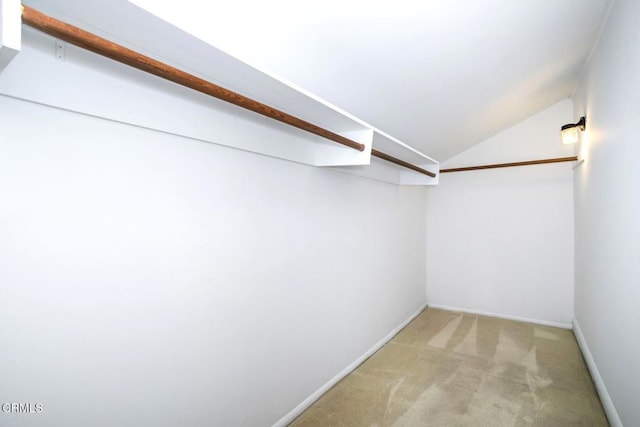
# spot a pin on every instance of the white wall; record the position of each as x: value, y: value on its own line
x: 607, y: 212
x: 500, y: 241
x: 150, y: 279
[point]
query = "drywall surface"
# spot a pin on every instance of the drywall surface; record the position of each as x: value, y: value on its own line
x: 501, y: 240
x: 607, y: 211
x: 151, y: 279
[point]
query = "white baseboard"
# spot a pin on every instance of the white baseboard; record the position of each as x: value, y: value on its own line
x: 287, y: 419
x: 607, y: 403
x: 502, y: 316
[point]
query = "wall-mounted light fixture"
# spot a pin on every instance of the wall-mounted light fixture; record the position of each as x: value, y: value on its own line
x: 570, y: 132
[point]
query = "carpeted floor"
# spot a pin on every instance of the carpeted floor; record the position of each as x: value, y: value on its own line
x: 454, y: 369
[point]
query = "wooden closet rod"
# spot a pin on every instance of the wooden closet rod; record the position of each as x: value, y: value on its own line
x: 101, y: 46
x: 383, y: 156
x: 507, y: 165
x: 96, y: 44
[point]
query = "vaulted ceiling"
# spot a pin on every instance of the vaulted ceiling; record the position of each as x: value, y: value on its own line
x: 440, y: 76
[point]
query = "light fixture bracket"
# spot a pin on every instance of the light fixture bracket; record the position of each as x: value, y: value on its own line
x: 580, y: 124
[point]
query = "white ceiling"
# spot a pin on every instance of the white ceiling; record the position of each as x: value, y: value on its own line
x: 440, y: 76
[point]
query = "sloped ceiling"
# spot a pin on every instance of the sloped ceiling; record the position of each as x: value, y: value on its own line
x: 440, y: 76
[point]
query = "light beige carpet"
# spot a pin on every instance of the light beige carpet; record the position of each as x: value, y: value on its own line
x: 454, y: 369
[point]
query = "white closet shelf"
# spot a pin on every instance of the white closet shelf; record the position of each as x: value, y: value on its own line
x: 10, y: 31
x: 59, y: 74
